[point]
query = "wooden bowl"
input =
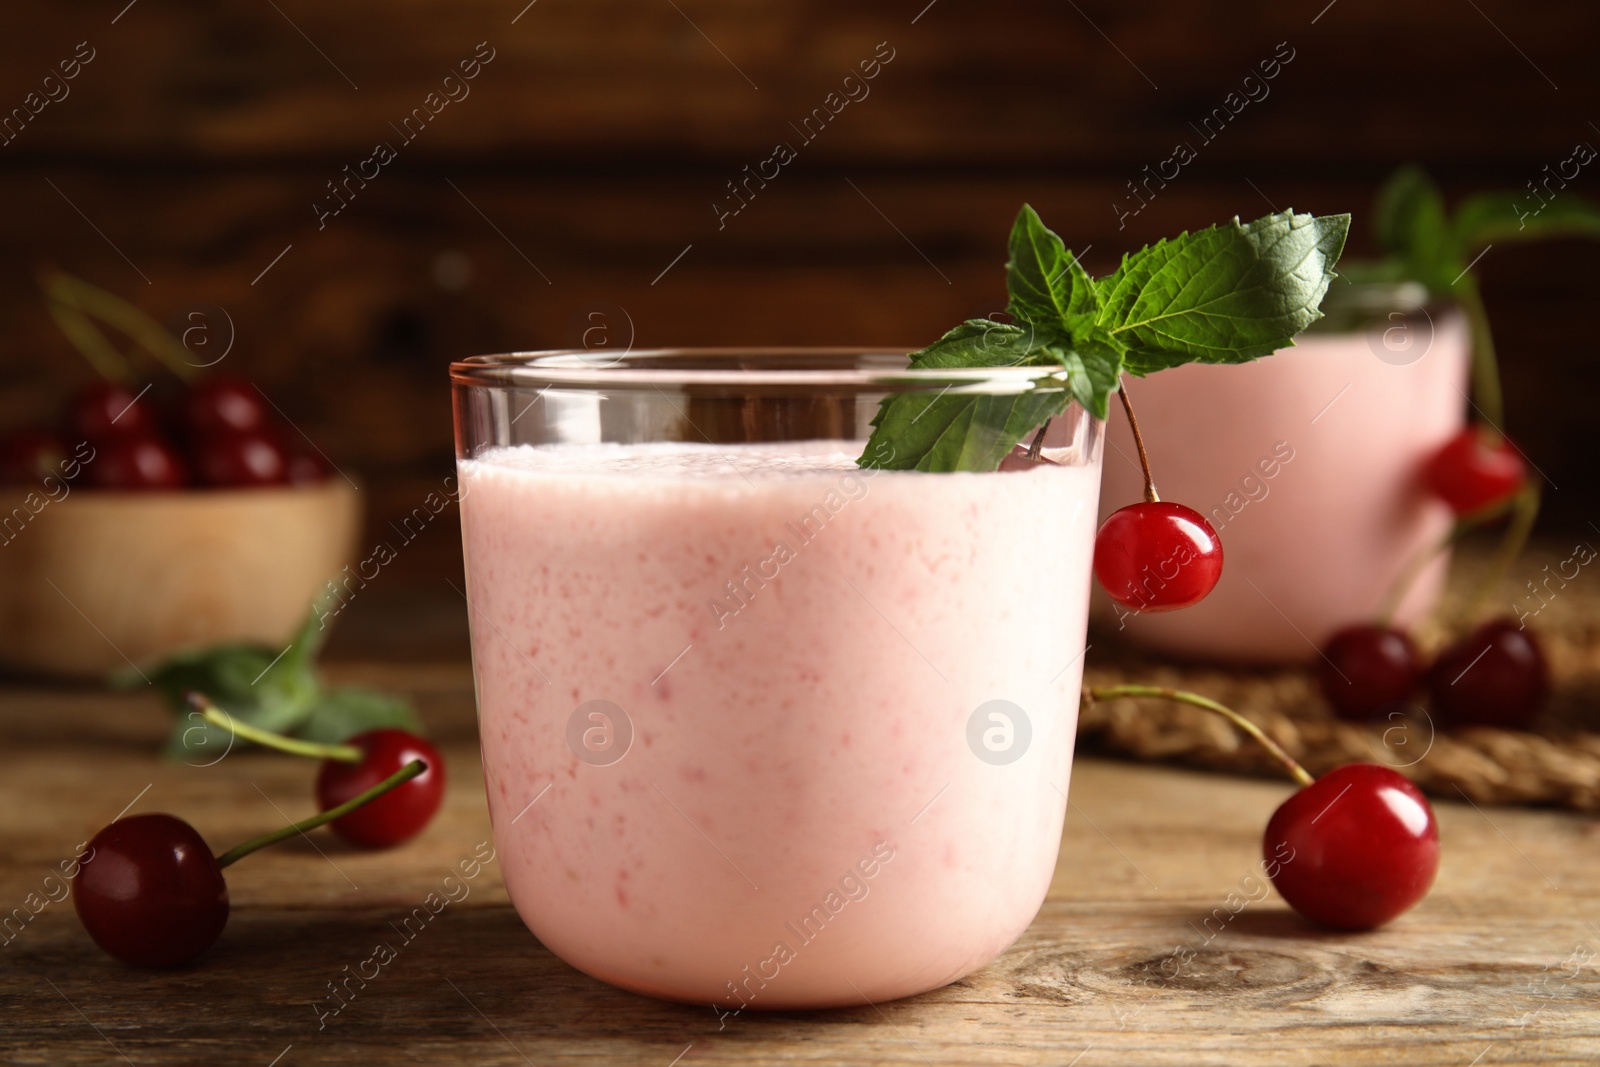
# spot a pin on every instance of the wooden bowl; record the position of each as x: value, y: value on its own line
x: 96, y: 580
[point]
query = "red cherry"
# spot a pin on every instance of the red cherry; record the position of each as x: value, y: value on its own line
x: 1355, y: 848
x: 27, y: 457
x: 1475, y: 469
x: 306, y: 467
x: 150, y: 892
x: 106, y: 409
x: 1157, y: 556
x: 241, y: 460
x: 135, y: 463
x: 1495, y: 676
x: 1366, y: 668
x: 1019, y: 460
x: 396, y: 816
x: 223, y: 404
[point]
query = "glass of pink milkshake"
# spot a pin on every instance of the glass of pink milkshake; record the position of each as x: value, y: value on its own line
x: 761, y: 729
x: 1307, y: 464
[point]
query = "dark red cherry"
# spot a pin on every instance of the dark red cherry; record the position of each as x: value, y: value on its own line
x: 241, y: 460
x: 396, y: 816
x: 1157, y: 556
x: 1495, y: 676
x: 1475, y: 469
x: 306, y: 466
x: 1354, y: 849
x: 222, y: 404
x: 135, y: 464
x: 106, y: 409
x: 150, y: 892
x: 1366, y: 668
x: 27, y: 457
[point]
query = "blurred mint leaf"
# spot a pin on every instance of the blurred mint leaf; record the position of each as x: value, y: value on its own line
x: 1225, y: 294
x: 1409, y: 224
x: 1424, y: 243
x: 272, y: 689
x: 1503, y: 218
x: 340, y: 714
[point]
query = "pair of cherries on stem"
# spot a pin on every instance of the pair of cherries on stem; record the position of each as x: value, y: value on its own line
x: 1352, y: 849
x: 152, y: 894
x: 352, y: 768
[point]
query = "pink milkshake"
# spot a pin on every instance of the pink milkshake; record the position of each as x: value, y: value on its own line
x: 1307, y: 464
x: 763, y: 730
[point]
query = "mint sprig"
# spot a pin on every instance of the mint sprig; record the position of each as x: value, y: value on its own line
x: 1225, y: 294
x: 1424, y: 243
x: 275, y: 690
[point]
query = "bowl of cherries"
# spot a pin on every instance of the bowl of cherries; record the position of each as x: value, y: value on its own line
x: 143, y: 523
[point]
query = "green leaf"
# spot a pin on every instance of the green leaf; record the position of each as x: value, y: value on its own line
x: 340, y: 714
x: 958, y: 432
x: 272, y: 689
x: 1047, y: 284
x: 1226, y: 294
x: 1094, y: 365
x: 1503, y: 218
x: 951, y: 431
x: 981, y: 343
x: 1409, y: 221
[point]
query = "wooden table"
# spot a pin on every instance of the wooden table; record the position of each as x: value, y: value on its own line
x: 1498, y: 966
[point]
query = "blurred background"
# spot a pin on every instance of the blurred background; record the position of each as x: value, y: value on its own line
x: 587, y: 165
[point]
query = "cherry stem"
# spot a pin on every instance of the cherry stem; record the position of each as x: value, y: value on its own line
x: 1524, y: 511
x: 1120, y: 692
x: 394, y: 781
x: 1037, y: 444
x: 1138, y: 442
x: 217, y: 717
x: 83, y: 303
x: 1485, y: 367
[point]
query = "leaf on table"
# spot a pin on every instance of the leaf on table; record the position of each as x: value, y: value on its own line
x: 340, y: 714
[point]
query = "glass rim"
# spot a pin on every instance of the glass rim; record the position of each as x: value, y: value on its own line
x: 841, y: 367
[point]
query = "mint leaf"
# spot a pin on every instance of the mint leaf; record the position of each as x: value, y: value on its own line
x: 1094, y: 364
x: 1046, y: 282
x: 957, y: 431
x: 1502, y: 218
x: 273, y: 689
x: 1409, y: 222
x: 980, y: 343
x: 1226, y: 294
x: 340, y: 714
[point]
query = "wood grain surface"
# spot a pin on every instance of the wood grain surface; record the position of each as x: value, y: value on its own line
x: 1498, y: 966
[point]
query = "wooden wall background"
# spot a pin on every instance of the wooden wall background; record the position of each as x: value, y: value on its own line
x: 591, y: 148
